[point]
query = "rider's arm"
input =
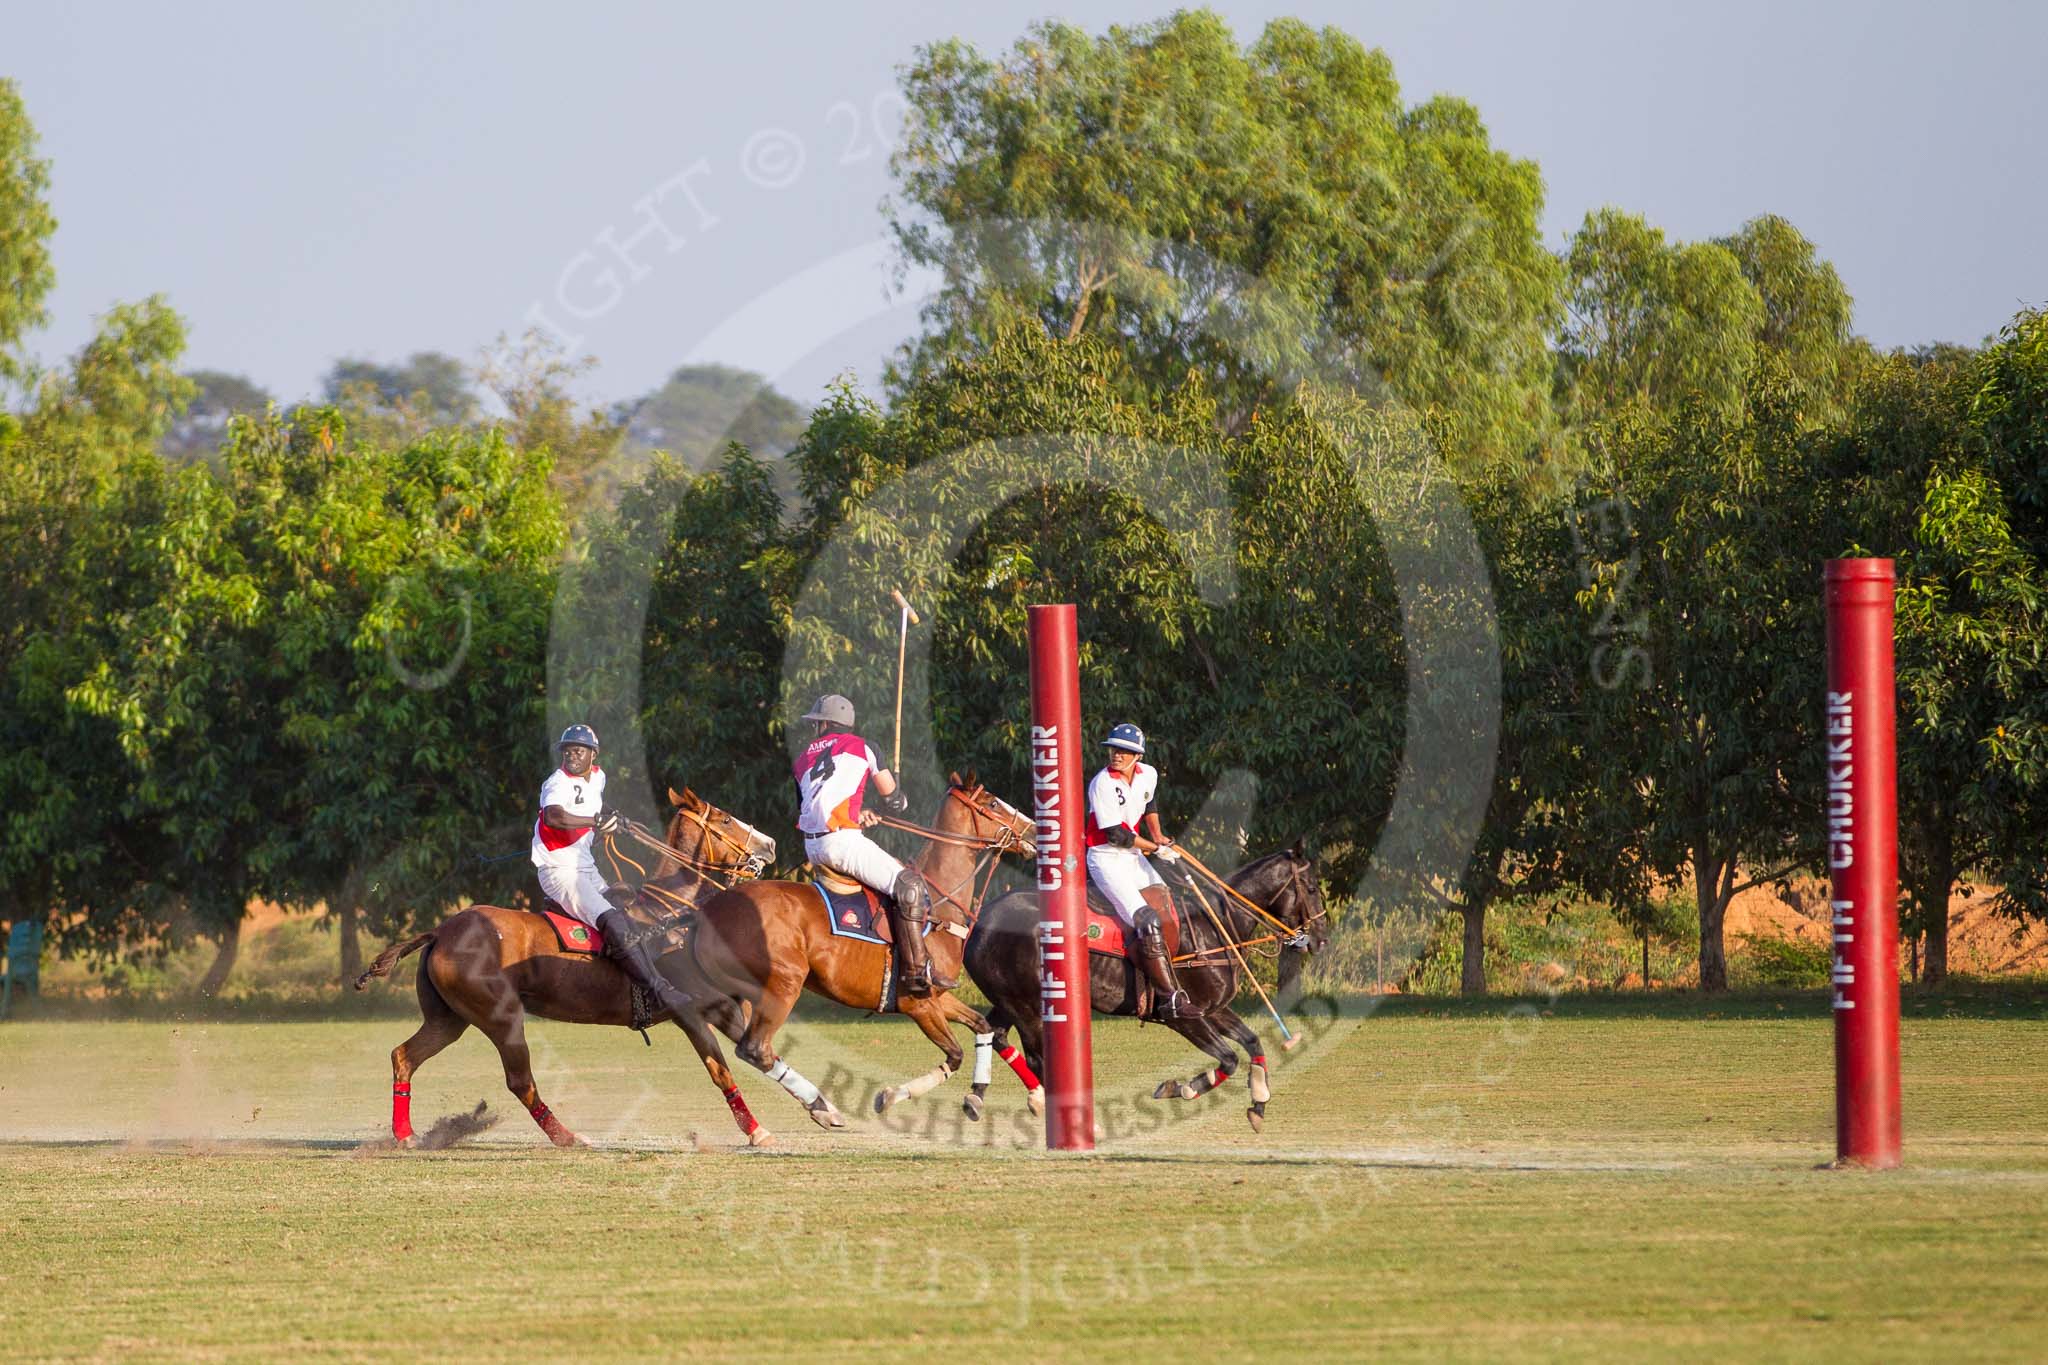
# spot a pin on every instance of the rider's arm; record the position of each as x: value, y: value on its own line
x: 560, y: 817
x: 1152, y: 840
x: 889, y: 789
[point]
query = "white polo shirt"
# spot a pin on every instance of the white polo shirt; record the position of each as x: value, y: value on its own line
x: 579, y: 796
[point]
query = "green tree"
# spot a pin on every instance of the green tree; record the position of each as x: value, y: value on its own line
x: 1806, y: 310
x: 201, y: 430
x: 1653, y: 322
x: 26, y: 224
x: 1222, y: 209
x: 321, y: 702
x: 531, y: 379
x: 1704, y: 738
x: 392, y: 402
x: 700, y: 408
x: 82, y: 502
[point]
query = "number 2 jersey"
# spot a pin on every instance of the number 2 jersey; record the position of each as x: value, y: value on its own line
x: 579, y: 796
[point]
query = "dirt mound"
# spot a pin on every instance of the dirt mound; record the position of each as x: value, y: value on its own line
x: 1981, y: 942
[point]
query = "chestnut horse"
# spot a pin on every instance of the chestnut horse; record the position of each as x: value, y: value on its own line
x: 764, y: 943
x: 1002, y: 959
x: 490, y: 967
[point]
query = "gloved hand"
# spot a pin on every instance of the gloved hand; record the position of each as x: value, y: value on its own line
x: 1166, y: 852
x: 608, y: 820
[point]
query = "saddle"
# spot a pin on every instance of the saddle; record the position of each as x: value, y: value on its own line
x: 577, y: 937
x: 574, y: 935
x: 1106, y: 933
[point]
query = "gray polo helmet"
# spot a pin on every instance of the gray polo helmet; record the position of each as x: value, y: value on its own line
x: 833, y: 709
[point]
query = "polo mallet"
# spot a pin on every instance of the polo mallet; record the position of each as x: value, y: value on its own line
x: 908, y: 619
x: 1288, y: 1041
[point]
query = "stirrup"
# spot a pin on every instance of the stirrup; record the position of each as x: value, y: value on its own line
x: 1170, y: 1005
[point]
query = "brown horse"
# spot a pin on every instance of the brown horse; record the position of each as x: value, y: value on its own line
x: 764, y: 943
x: 490, y: 967
x: 1002, y: 959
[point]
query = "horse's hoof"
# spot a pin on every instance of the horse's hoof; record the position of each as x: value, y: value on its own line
x: 1166, y: 1090
x: 883, y: 1099
x: 1100, y: 1131
x: 1256, y: 1116
x: 972, y: 1106
x: 824, y: 1115
x: 1035, y: 1101
x: 1261, y: 1090
x: 568, y: 1140
x: 406, y: 1143
x: 760, y: 1137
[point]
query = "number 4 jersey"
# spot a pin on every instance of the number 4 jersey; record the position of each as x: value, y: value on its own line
x: 579, y: 796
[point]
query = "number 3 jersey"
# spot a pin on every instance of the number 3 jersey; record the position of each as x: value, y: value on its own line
x: 579, y: 796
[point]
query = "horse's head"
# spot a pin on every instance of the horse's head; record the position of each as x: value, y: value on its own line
x: 985, y: 816
x: 1305, y: 897
x: 1290, y: 885
x: 714, y: 840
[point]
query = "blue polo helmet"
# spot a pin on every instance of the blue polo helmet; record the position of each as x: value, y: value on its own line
x: 1125, y: 736
x: 578, y: 734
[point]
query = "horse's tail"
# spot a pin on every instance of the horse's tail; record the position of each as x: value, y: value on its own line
x: 388, y: 959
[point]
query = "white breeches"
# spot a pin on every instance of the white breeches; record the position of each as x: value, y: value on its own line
x: 578, y: 890
x: 1122, y: 874
x: 851, y: 853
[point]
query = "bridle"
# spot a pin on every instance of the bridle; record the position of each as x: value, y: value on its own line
x: 989, y: 851
x: 1284, y: 935
x: 750, y: 862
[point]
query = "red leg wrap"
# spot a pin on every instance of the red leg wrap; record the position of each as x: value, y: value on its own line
x: 1259, y: 1060
x: 741, y: 1114
x: 549, y: 1124
x: 401, y: 1112
x: 1020, y: 1066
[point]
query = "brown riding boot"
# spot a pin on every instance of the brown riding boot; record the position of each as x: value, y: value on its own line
x: 914, y: 976
x: 1169, y: 1001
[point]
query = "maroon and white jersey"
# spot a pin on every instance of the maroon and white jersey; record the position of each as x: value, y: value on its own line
x: 831, y: 777
x: 579, y: 796
x: 1113, y: 801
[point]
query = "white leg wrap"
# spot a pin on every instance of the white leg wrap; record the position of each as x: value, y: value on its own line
x: 925, y: 1082
x: 984, y: 1057
x: 792, y: 1080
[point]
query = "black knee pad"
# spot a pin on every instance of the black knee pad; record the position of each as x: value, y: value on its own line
x: 1146, y: 922
x: 909, y: 893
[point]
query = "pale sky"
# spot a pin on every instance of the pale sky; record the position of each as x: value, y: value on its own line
x: 374, y: 179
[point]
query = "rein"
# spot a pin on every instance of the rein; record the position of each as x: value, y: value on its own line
x: 989, y: 855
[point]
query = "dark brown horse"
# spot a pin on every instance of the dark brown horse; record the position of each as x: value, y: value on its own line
x: 764, y: 943
x: 1002, y: 959
x: 489, y: 967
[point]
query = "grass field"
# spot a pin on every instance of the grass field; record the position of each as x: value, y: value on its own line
x: 1621, y: 1175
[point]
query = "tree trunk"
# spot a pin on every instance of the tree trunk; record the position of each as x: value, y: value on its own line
x: 223, y: 960
x: 1706, y: 880
x: 1646, y: 959
x: 1472, y: 977
x: 351, y: 943
x: 1932, y: 894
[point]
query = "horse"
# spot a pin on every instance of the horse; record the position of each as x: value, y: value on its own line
x: 489, y: 967
x: 764, y: 943
x: 1002, y: 959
